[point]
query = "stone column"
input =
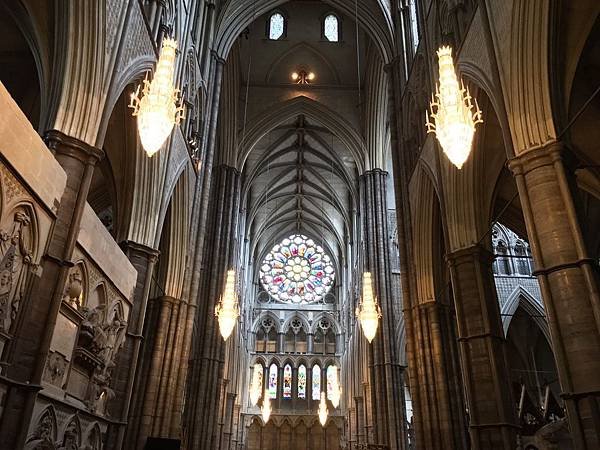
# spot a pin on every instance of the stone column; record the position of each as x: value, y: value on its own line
x: 482, y: 350
x: 38, y: 320
x: 126, y: 376
x: 208, y: 350
x: 569, y: 282
x: 438, y: 372
x: 310, y: 343
x: 387, y: 408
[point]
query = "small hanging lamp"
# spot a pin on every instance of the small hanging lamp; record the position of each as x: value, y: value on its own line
x: 368, y: 312
x: 256, y: 385
x: 323, y: 412
x: 227, y: 310
x: 266, y: 408
x: 157, y: 110
x: 453, y: 112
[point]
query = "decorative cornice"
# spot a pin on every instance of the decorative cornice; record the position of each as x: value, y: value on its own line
x: 62, y: 144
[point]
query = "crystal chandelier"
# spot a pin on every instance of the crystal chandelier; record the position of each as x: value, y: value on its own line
x: 453, y: 112
x: 266, y: 408
x: 157, y: 110
x: 227, y: 310
x: 336, y: 390
x: 256, y: 386
x: 323, y: 412
x: 368, y: 311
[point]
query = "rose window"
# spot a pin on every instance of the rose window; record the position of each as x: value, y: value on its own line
x: 297, y: 271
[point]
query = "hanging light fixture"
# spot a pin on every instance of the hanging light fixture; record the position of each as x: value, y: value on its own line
x: 368, y: 311
x: 157, y: 110
x: 227, y: 310
x: 256, y: 386
x: 266, y: 408
x: 336, y: 394
x: 323, y: 412
x: 453, y: 112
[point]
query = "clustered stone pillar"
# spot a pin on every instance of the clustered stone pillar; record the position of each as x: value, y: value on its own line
x: 482, y: 350
x: 569, y: 282
x: 437, y: 370
x: 78, y: 160
x: 386, y: 373
x: 206, y: 370
x: 144, y: 259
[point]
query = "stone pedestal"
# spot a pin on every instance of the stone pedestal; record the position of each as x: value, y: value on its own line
x: 569, y: 282
x: 482, y: 350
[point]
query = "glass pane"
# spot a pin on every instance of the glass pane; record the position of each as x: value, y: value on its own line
x: 414, y: 25
x: 273, y: 381
x: 330, y: 28
x: 302, y: 381
x: 316, y: 382
x: 331, y: 378
x: 276, y: 24
x: 287, y: 381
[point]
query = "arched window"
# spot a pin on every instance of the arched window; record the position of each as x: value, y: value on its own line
x: 502, y: 263
x: 522, y: 259
x: 271, y: 341
x: 287, y: 381
x: 276, y: 26
x: 273, y: 381
x: 414, y: 23
x: 261, y: 340
x: 324, y: 342
x: 302, y: 381
x: 331, y: 381
x: 331, y: 28
x: 316, y: 382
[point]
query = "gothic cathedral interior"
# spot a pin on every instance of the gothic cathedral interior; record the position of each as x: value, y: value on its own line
x: 299, y: 224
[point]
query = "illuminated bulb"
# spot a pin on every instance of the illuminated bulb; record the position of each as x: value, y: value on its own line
x: 256, y: 386
x: 295, y: 76
x: 157, y: 110
x: 323, y: 412
x: 453, y: 112
x: 266, y: 408
x: 337, y: 390
x: 227, y: 310
x: 368, y: 312
x: 311, y: 76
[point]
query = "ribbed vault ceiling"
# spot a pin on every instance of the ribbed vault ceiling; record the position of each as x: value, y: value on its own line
x: 299, y: 179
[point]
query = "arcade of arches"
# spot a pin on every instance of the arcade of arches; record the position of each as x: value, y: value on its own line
x: 302, y: 162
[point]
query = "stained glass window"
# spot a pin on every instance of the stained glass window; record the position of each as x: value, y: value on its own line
x: 316, y: 382
x: 287, y: 381
x: 331, y: 28
x: 273, y: 381
x: 276, y: 26
x: 302, y: 381
x: 331, y: 381
x: 297, y: 271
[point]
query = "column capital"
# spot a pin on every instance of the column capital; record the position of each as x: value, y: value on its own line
x: 129, y: 247
x: 62, y: 144
x: 467, y: 254
x: 537, y: 157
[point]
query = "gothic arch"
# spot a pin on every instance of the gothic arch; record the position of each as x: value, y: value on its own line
x: 520, y: 297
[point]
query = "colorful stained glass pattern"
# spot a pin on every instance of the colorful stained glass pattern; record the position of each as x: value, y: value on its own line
x: 287, y: 381
x: 330, y: 28
x: 276, y: 25
x: 302, y: 381
x: 297, y: 271
x: 273, y: 381
x: 316, y: 382
x: 331, y: 379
